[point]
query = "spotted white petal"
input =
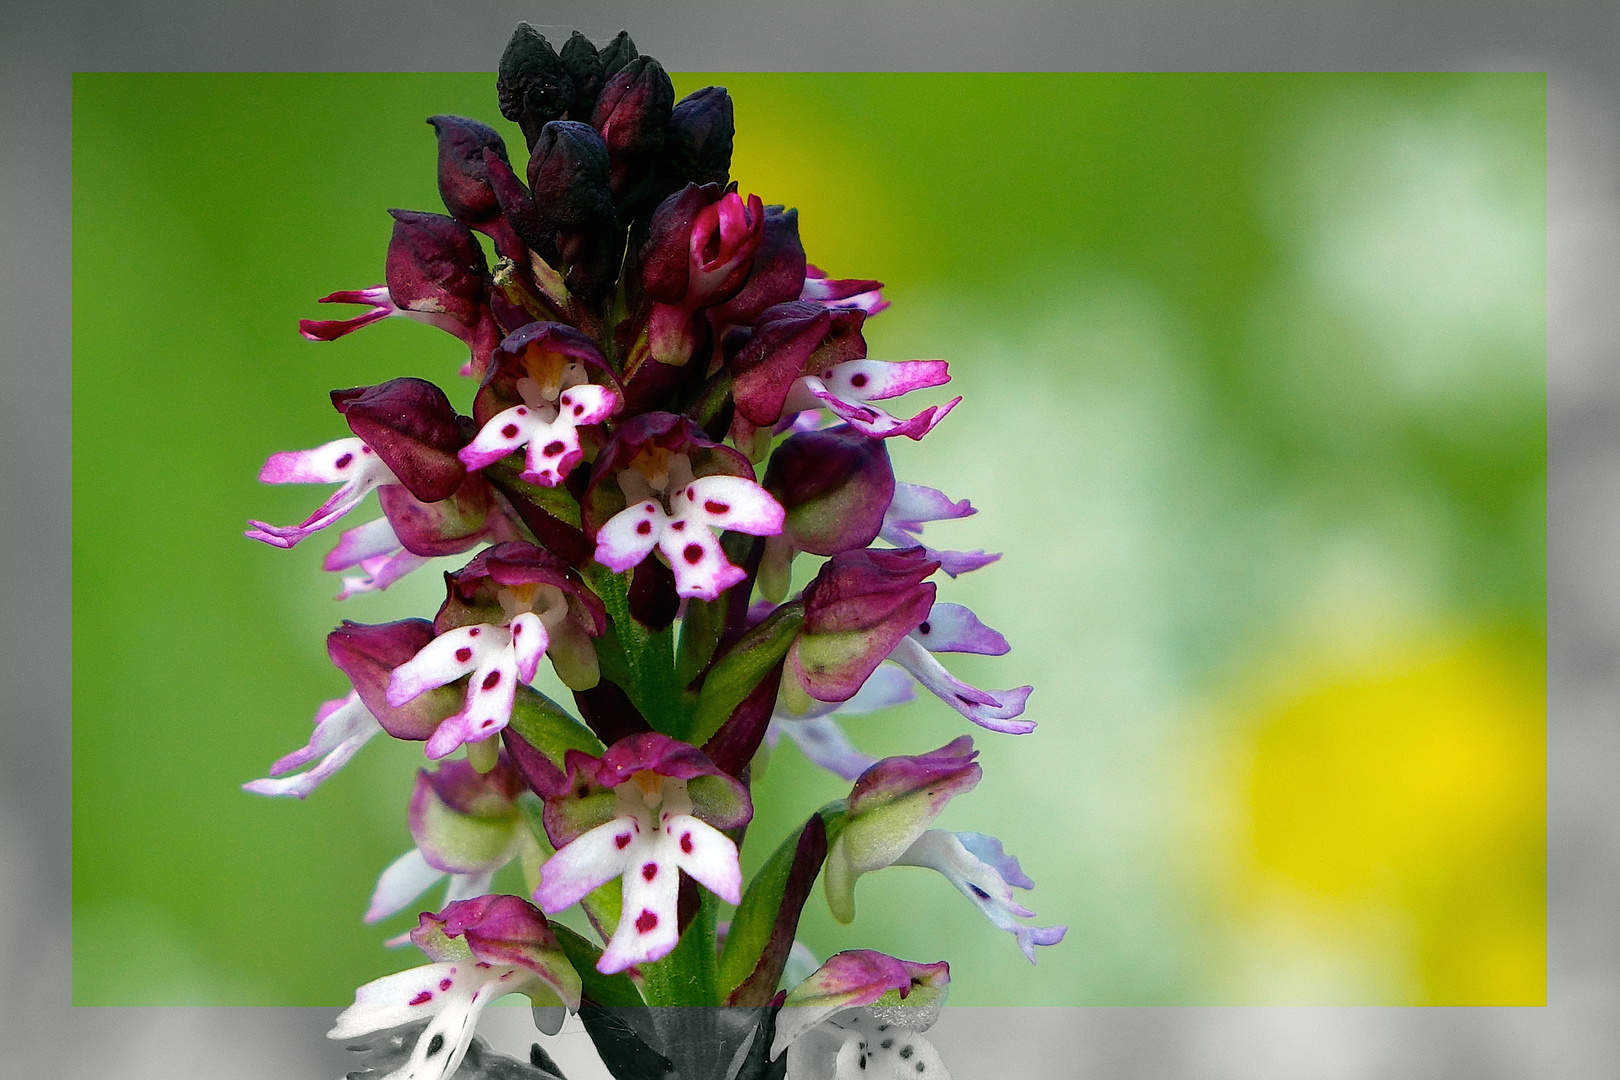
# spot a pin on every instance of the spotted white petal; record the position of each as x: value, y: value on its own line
x: 982, y: 882
x: 648, y: 926
x: 362, y: 543
x: 349, y: 461
x: 490, y: 693
x: 588, y: 862
x: 705, y: 853
x: 504, y: 433
x: 730, y: 502
x: 701, y: 568
x: 630, y: 535
x: 529, y: 644
x: 451, y: 993
x: 875, y: 380
x: 445, y: 659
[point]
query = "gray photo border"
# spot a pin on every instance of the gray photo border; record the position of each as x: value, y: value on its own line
x: 1578, y: 44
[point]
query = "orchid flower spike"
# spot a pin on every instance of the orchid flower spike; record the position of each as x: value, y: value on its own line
x: 482, y: 949
x: 647, y: 809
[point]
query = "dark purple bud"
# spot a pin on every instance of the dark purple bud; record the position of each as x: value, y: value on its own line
x: 784, y: 342
x: 519, y: 209
x: 414, y: 430
x: 616, y: 54
x: 532, y: 85
x: 855, y: 612
x: 584, y: 66
x: 835, y: 485
x: 652, y: 597
x: 777, y: 274
x: 701, y: 127
x: 568, y: 176
x: 463, y: 178
x: 368, y: 655
x: 632, y: 114
x: 436, y: 267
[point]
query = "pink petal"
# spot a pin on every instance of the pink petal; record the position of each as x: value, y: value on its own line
x: 914, y: 504
x: 823, y: 741
x: 360, y: 543
x: 330, y: 463
x: 875, y: 380
x: 339, y: 734
x: 953, y: 628
x: 993, y: 709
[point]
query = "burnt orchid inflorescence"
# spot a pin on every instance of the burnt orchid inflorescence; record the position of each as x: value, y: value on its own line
x: 670, y: 406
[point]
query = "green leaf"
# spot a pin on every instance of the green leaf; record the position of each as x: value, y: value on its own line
x: 763, y: 925
x: 549, y: 728
x: 555, y: 501
x: 736, y: 674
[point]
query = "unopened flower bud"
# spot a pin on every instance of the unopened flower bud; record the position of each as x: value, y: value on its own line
x: 616, y: 54
x: 777, y: 274
x: 532, y: 86
x: 463, y: 177
x: 700, y: 135
x: 632, y: 113
x: 584, y: 65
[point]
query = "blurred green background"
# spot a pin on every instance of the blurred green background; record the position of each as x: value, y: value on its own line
x: 1254, y: 369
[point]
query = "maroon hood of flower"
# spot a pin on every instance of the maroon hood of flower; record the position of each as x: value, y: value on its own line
x: 835, y: 485
x: 368, y: 655
x: 503, y: 930
x: 855, y: 612
x: 436, y: 265
x: 414, y: 430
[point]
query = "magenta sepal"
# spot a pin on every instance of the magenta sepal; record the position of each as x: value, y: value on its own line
x: 473, y: 592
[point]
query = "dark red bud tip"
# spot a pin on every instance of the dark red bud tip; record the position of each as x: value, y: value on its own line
x: 463, y: 177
